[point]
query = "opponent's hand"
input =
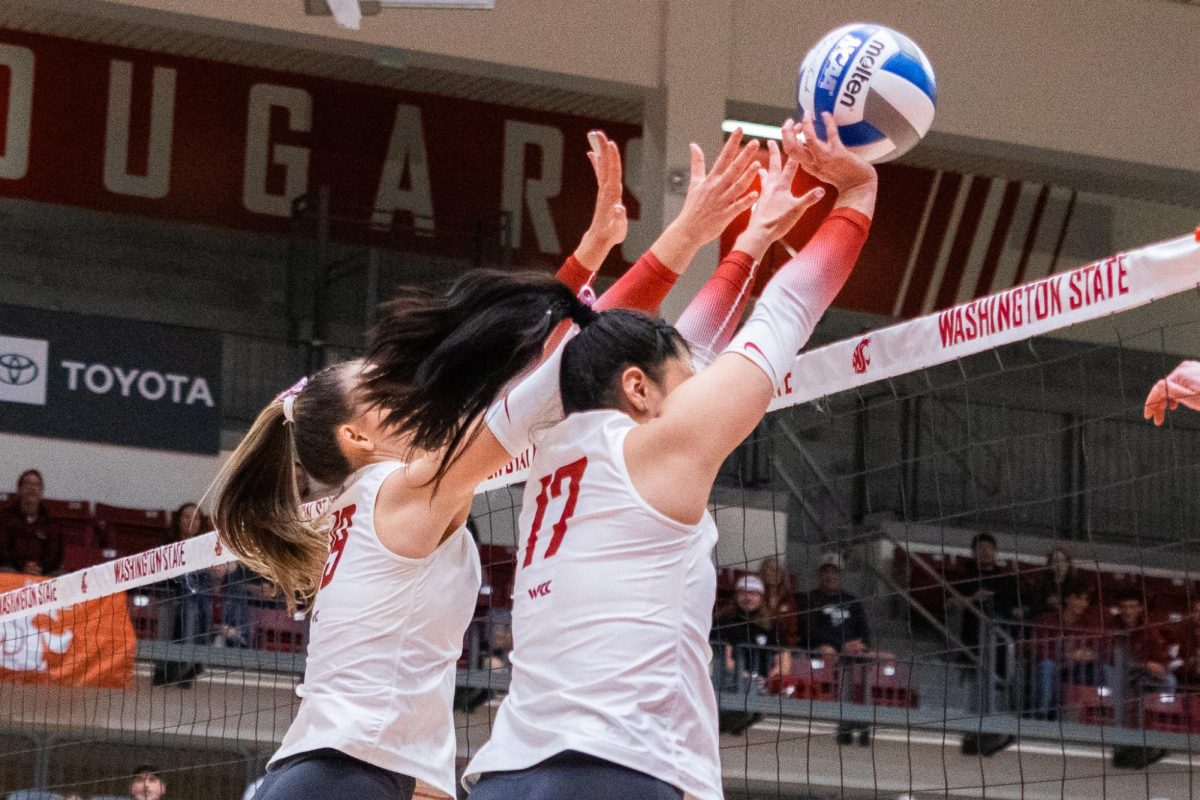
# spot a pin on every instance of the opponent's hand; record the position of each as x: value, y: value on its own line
x: 1182, y: 386
x: 610, y: 223
x: 777, y: 210
x: 716, y: 197
x: 828, y: 161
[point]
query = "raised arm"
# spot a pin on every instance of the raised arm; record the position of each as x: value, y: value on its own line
x: 714, y: 199
x: 609, y: 223
x: 674, y: 458
x: 709, y: 321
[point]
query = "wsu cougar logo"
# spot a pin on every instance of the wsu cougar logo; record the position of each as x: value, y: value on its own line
x: 861, y: 360
x: 23, y: 646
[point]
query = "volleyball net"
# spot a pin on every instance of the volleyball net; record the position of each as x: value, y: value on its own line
x: 885, y: 656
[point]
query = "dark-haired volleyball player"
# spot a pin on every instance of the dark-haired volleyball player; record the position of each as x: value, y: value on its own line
x: 610, y: 694
x: 392, y: 581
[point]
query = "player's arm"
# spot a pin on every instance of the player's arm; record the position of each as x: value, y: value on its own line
x: 709, y: 321
x: 675, y: 458
x: 714, y: 199
x: 609, y: 224
x: 1182, y: 386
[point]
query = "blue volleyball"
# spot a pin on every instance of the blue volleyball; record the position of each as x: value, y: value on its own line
x: 878, y: 85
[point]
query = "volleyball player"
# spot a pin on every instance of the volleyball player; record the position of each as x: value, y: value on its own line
x: 611, y: 695
x: 1182, y: 386
x: 393, y: 583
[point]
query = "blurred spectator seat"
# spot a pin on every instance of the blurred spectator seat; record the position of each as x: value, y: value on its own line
x: 144, y: 613
x: 891, y: 685
x: 77, y: 556
x: 499, y: 575
x: 73, y: 518
x: 34, y: 794
x: 1173, y: 712
x: 125, y: 531
x: 276, y: 630
x: 810, y: 678
x: 1090, y: 705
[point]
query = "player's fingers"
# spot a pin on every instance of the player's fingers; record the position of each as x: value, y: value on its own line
x: 774, y: 159
x: 595, y: 162
x: 832, y: 137
x: 788, y: 174
x: 788, y: 135
x: 742, y: 204
x: 614, y: 161
x: 729, y: 152
x: 744, y: 182
x: 810, y: 198
x: 698, y: 171
x: 809, y: 129
x: 746, y: 159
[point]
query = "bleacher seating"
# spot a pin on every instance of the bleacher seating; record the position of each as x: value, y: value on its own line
x: 276, y: 630
x: 125, y: 531
x: 810, y: 678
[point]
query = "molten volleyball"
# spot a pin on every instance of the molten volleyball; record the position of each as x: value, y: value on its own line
x: 878, y: 85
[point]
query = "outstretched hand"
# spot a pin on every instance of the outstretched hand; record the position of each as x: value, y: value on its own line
x: 610, y: 223
x: 777, y: 210
x: 716, y: 197
x: 1182, y: 386
x: 828, y: 161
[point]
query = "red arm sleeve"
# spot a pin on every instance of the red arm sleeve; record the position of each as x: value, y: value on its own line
x: 574, y: 275
x: 642, y: 287
x: 713, y: 315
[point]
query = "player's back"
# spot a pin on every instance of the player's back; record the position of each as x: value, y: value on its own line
x: 612, y: 610
x: 385, y: 636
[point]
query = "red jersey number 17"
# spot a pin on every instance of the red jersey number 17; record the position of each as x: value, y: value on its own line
x: 552, y: 487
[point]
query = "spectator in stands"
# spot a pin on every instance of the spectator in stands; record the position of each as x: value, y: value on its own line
x: 1146, y: 649
x: 191, y: 599
x: 991, y: 589
x: 836, y: 624
x: 1064, y: 646
x: 1185, y: 644
x: 749, y: 637
x: 780, y: 600
x: 1054, y: 581
x: 29, y: 542
x: 147, y: 784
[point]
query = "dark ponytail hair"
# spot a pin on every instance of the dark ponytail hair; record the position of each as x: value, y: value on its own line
x: 616, y: 340
x: 440, y: 358
x: 257, y: 509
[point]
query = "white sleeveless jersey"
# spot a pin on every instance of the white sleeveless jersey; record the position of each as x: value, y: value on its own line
x: 611, y: 615
x: 386, y: 635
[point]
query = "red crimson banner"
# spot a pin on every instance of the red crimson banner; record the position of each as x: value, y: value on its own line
x: 153, y: 134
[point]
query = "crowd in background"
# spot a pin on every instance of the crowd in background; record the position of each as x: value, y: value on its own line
x: 1065, y: 630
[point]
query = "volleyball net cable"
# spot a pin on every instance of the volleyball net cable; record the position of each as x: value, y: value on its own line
x: 932, y: 422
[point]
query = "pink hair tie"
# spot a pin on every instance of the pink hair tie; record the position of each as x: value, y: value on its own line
x: 587, y: 296
x: 289, y: 399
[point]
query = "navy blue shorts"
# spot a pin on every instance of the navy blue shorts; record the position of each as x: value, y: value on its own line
x: 573, y: 776
x: 325, y: 774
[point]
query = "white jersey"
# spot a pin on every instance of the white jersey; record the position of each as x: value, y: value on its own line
x: 611, y: 615
x: 387, y: 632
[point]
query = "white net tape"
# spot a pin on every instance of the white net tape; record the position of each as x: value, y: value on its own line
x: 1110, y: 286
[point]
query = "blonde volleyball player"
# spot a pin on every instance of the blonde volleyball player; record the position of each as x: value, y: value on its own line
x: 610, y: 694
x: 392, y: 584
x: 1181, y: 387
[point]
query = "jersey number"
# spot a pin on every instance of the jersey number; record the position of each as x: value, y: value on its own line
x: 338, y: 534
x: 552, y: 486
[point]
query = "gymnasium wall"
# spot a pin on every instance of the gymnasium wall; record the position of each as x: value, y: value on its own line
x: 992, y: 84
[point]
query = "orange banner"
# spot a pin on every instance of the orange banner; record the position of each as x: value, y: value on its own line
x: 89, y: 644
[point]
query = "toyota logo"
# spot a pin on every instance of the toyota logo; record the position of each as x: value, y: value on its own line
x: 17, y: 370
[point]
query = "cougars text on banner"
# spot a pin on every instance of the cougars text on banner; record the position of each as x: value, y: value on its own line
x: 153, y: 134
x: 88, y: 644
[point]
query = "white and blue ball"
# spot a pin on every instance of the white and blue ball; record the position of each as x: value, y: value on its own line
x: 878, y: 85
